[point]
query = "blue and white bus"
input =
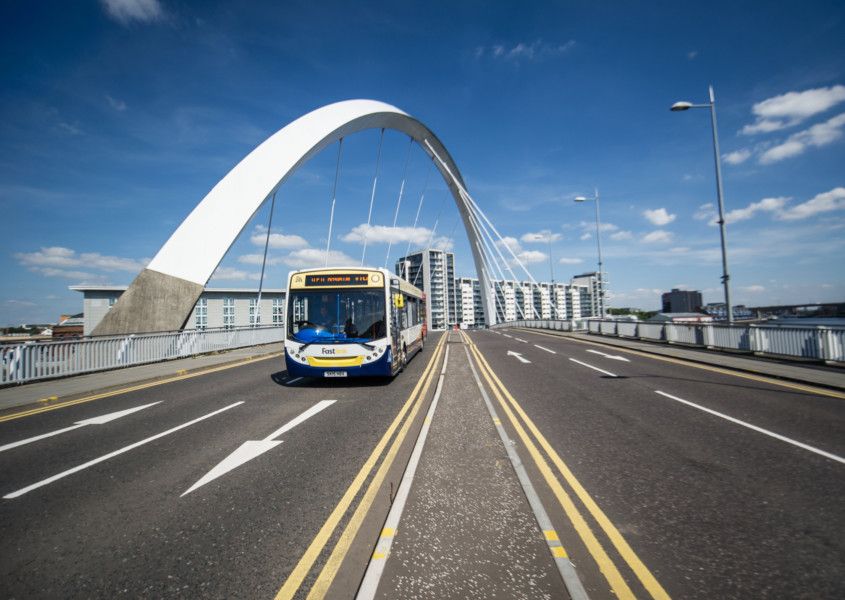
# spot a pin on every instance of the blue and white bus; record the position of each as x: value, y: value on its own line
x: 348, y: 322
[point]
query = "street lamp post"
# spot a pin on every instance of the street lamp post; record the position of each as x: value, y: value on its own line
x: 680, y: 106
x: 598, y: 244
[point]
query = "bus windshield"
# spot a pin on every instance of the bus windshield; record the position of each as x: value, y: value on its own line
x: 336, y: 315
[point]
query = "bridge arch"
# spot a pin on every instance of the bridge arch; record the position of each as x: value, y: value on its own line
x: 162, y: 296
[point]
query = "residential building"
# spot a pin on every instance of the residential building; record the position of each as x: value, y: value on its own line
x: 590, y: 301
x: 433, y: 271
x: 470, y: 309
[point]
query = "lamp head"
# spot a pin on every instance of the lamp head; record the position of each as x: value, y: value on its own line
x: 679, y: 106
x: 581, y: 198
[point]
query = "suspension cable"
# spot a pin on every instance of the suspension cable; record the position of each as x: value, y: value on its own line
x: 334, y: 198
x: 257, y: 320
x: 372, y: 195
x: 399, y: 200
x: 419, y: 208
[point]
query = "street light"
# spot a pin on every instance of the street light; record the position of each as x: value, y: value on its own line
x: 598, y: 243
x: 681, y: 106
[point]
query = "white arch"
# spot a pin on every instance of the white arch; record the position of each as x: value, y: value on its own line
x: 162, y: 296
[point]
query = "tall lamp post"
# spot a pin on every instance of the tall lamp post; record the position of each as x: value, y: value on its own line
x: 680, y: 106
x: 598, y: 243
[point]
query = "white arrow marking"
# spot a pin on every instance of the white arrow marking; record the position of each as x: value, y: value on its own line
x: 506, y: 335
x: 520, y: 340
x: 610, y: 356
x: 546, y: 349
x: 105, y: 457
x: 253, y: 449
x: 518, y: 356
x: 93, y: 421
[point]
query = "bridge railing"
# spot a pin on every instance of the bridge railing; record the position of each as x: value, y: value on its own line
x: 31, y: 361
x: 811, y: 342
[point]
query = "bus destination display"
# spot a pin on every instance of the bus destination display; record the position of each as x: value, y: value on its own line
x: 337, y: 279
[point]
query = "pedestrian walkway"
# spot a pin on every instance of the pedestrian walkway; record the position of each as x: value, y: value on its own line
x: 828, y: 376
x: 467, y: 530
x: 58, y: 390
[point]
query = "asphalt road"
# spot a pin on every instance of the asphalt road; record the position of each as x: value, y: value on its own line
x: 121, y: 527
x: 713, y: 508
x: 235, y: 483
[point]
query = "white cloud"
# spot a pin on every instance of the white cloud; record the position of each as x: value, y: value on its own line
x: 821, y: 203
x: 313, y: 257
x: 820, y: 134
x: 705, y: 212
x: 525, y: 51
x: 657, y: 236
x: 126, y: 11
x: 679, y: 250
x: 48, y: 260
x: 692, y: 54
x: 792, y: 108
x: 753, y: 289
x: 544, y: 236
x: 232, y: 274
x: 772, y: 205
x: 118, y: 105
x: 658, y: 216
x: 570, y: 261
x: 277, y: 240
x: 382, y: 234
x: 526, y: 257
x: 585, y: 236
x: 737, y: 156
x: 621, y: 235
x: 590, y: 226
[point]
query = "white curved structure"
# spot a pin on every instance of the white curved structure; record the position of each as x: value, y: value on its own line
x: 162, y: 296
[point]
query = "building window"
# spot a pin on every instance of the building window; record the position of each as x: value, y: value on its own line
x: 254, y: 313
x: 201, y: 313
x: 228, y: 313
x: 112, y: 301
x: 278, y: 311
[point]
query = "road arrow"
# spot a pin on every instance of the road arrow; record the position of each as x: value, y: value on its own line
x: 101, y: 420
x: 255, y: 448
x: 518, y: 356
x: 610, y: 356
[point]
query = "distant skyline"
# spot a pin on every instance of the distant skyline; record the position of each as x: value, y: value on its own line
x: 118, y: 116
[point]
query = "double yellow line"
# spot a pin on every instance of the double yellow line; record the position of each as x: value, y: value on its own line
x: 606, y: 565
x: 315, y: 549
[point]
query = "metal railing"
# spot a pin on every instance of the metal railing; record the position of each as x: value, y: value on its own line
x: 811, y: 342
x: 31, y: 361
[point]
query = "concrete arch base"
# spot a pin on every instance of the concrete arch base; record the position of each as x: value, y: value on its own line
x: 154, y: 302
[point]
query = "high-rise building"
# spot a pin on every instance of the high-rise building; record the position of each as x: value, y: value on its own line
x: 433, y: 271
x: 469, y: 307
x: 590, y: 301
x: 681, y: 301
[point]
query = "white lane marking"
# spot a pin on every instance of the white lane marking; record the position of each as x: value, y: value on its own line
x: 105, y: 457
x: 543, y: 348
x: 101, y: 420
x: 507, y: 336
x: 777, y: 436
x: 518, y: 356
x: 594, y: 368
x: 251, y: 448
x: 290, y: 381
x: 520, y: 340
x: 375, y: 568
x: 610, y: 356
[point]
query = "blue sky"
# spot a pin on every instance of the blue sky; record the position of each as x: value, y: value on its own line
x: 118, y: 117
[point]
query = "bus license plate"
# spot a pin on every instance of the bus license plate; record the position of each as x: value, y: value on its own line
x: 334, y: 374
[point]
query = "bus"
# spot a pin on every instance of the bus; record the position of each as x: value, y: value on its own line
x: 345, y: 322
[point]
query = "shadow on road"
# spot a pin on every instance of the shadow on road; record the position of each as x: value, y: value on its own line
x: 281, y: 378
